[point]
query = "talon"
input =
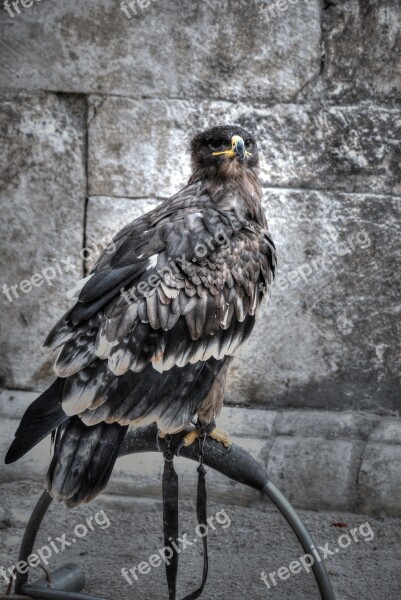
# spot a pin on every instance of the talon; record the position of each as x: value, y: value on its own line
x: 221, y: 436
x: 216, y: 434
x: 162, y: 435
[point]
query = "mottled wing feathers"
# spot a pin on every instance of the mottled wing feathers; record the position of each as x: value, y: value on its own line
x: 42, y: 417
x: 83, y: 460
x: 178, y: 293
x: 137, y: 397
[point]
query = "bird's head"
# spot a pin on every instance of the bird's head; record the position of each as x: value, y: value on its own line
x: 224, y: 151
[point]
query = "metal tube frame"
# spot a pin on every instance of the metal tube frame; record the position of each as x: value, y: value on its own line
x: 233, y: 462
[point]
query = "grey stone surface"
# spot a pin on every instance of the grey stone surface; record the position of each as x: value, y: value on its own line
x: 337, y: 295
x: 379, y: 480
x: 170, y: 48
x: 13, y: 403
x: 139, y: 148
x: 350, y: 149
x: 330, y: 425
x: 249, y: 423
x: 362, y: 43
x: 387, y: 431
x: 42, y: 197
x: 257, y: 540
x: 321, y: 472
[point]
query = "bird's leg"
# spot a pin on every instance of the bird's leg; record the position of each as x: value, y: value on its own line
x: 190, y: 438
x: 207, y: 429
x: 160, y: 435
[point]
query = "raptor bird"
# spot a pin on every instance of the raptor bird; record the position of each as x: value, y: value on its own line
x: 157, y: 321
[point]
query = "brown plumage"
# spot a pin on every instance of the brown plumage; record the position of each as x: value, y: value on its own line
x: 158, y: 319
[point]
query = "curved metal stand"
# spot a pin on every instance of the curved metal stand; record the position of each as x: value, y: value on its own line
x: 234, y: 462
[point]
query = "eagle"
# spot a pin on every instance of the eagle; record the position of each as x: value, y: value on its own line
x: 156, y: 323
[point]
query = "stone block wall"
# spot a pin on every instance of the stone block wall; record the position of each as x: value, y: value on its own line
x: 97, y: 108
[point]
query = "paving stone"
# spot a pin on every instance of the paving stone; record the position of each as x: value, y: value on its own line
x: 379, y: 482
x: 256, y: 539
x: 315, y: 473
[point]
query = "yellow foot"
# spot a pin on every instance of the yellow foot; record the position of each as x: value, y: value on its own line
x: 221, y: 436
x: 190, y: 438
x: 162, y: 435
x: 217, y: 434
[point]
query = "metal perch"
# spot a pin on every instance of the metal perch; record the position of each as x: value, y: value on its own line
x: 67, y: 582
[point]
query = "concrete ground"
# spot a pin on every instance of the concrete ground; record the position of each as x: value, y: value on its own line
x: 245, y: 542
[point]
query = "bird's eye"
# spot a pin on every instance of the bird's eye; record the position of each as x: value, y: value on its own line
x: 248, y: 143
x: 214, y: 144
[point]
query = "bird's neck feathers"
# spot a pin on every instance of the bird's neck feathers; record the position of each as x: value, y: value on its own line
x: 232, y: 186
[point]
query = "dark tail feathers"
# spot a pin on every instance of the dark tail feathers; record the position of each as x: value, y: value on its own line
x: 83, y: 460
x: 42, y: 417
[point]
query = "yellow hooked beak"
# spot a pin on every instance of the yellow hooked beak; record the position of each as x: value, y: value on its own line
x: 237, y: 149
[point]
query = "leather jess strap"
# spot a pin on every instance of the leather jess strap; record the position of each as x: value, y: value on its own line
x: 170, y: 520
